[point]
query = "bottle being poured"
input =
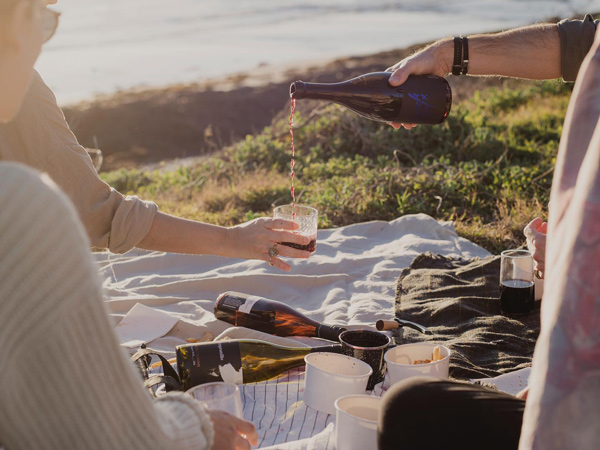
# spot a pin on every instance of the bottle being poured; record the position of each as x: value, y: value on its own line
x: 422, y: 99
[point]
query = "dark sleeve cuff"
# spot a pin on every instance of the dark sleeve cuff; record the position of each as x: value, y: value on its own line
x: 576, y: 39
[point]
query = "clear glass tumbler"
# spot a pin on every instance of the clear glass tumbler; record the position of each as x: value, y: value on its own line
x: 221, y: 396
x: 517, y: 288
x: 306, y: 217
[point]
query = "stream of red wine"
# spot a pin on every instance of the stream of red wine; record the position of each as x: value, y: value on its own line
x: 293, y: 163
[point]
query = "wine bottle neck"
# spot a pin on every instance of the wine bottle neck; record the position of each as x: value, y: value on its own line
x: 317, y: 91
x: 329, y: 332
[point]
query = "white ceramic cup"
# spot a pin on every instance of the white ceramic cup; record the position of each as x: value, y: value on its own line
x: 330, y: 376
x: 356, y: 420
x: 400, y: 360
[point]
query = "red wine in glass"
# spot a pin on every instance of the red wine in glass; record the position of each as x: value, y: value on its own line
x: 517, y: 296
x: 310, y: 247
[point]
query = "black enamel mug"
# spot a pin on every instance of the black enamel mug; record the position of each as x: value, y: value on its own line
x: 368, y: 346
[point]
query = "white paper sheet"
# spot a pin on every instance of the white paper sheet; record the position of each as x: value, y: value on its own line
x: 142, y: 325
x: 511, y: 383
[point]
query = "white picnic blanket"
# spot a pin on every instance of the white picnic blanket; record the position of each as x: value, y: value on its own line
x: 351, y: 280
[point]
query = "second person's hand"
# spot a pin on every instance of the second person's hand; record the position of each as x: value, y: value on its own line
x: 535, y: 232
x: 232, y: 433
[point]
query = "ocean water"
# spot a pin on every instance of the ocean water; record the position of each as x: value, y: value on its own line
x: 105, y: 45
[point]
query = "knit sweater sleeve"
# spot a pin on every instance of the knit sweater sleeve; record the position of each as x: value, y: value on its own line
x: 65, y: 382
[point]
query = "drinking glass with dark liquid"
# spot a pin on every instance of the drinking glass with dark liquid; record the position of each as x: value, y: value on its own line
x: 306, y: 217
x: 517, y: 287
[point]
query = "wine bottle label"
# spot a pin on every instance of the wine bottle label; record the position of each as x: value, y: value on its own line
x: 237, y: 310
x: 232, y: 302
x: 206, y: 363
x: 246, y: 307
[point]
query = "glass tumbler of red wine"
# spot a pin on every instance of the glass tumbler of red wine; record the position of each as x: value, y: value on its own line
x: 517, y: 289
x: 306, y: 217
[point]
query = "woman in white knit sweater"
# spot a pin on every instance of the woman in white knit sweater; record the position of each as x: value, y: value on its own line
x: 64, y: 381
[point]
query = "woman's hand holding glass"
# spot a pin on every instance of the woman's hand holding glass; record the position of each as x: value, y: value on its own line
x: 224, y: 405
x: 260, y: 238
x: 232, y: 433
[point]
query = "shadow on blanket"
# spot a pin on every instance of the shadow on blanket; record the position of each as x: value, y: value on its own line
x: 458, y: 300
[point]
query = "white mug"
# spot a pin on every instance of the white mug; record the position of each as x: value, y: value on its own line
x: 356, y: 421
x: 330, y: 376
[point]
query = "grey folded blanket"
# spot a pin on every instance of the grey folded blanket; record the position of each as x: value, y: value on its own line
x: 458, y: 300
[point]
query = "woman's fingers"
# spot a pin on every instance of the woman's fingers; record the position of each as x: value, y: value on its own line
x: 247, y: 429
x: 539, y: 256
x: 241, y: 444
x: 290, y: 252
x: 294, y: 238
x: 276, y: 262
x: 269, y: 234
x: 532, y: 227
x: 286, y: 252
x: 231, y: 432
x: 280, y: 224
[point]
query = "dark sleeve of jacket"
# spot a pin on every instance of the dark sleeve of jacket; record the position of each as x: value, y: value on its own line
x: 576, y: 39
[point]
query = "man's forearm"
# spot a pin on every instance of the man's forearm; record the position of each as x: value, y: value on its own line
x: 531, y: 52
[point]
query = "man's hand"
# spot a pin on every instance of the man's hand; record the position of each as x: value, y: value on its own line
x: 232, y: 433
x: 535, y: 232
x: 523, y: 394
x: 432, y: 60
x: 531, y: 52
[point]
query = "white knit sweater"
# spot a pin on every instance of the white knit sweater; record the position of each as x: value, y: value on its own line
x: 65, y: 383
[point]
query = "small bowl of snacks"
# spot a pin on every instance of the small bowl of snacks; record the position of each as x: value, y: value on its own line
x: 413, y: 360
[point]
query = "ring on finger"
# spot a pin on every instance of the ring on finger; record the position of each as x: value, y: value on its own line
x: 538, y: 274
x: 273, y: 252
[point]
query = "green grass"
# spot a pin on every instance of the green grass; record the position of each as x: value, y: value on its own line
x: 488, y: 168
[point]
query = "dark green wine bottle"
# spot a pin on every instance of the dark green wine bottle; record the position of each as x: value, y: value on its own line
x: 421, y: 99
x: 239, y: 361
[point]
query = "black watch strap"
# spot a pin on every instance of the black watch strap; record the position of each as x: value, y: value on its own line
x: 465, y: 56
x: 458, y: 56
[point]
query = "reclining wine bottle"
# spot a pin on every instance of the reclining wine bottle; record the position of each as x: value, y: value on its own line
x: 270, y: 316
x: 239, y: 361
x: 421, y: 99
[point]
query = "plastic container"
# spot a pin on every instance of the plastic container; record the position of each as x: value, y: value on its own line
x: 356, y: 420
x: 330, y: 376
x: 400, y: 361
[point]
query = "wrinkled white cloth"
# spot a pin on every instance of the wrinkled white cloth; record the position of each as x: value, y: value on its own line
x: 350, y: 280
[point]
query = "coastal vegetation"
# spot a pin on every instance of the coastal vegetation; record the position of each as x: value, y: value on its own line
x: 488, y: 168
